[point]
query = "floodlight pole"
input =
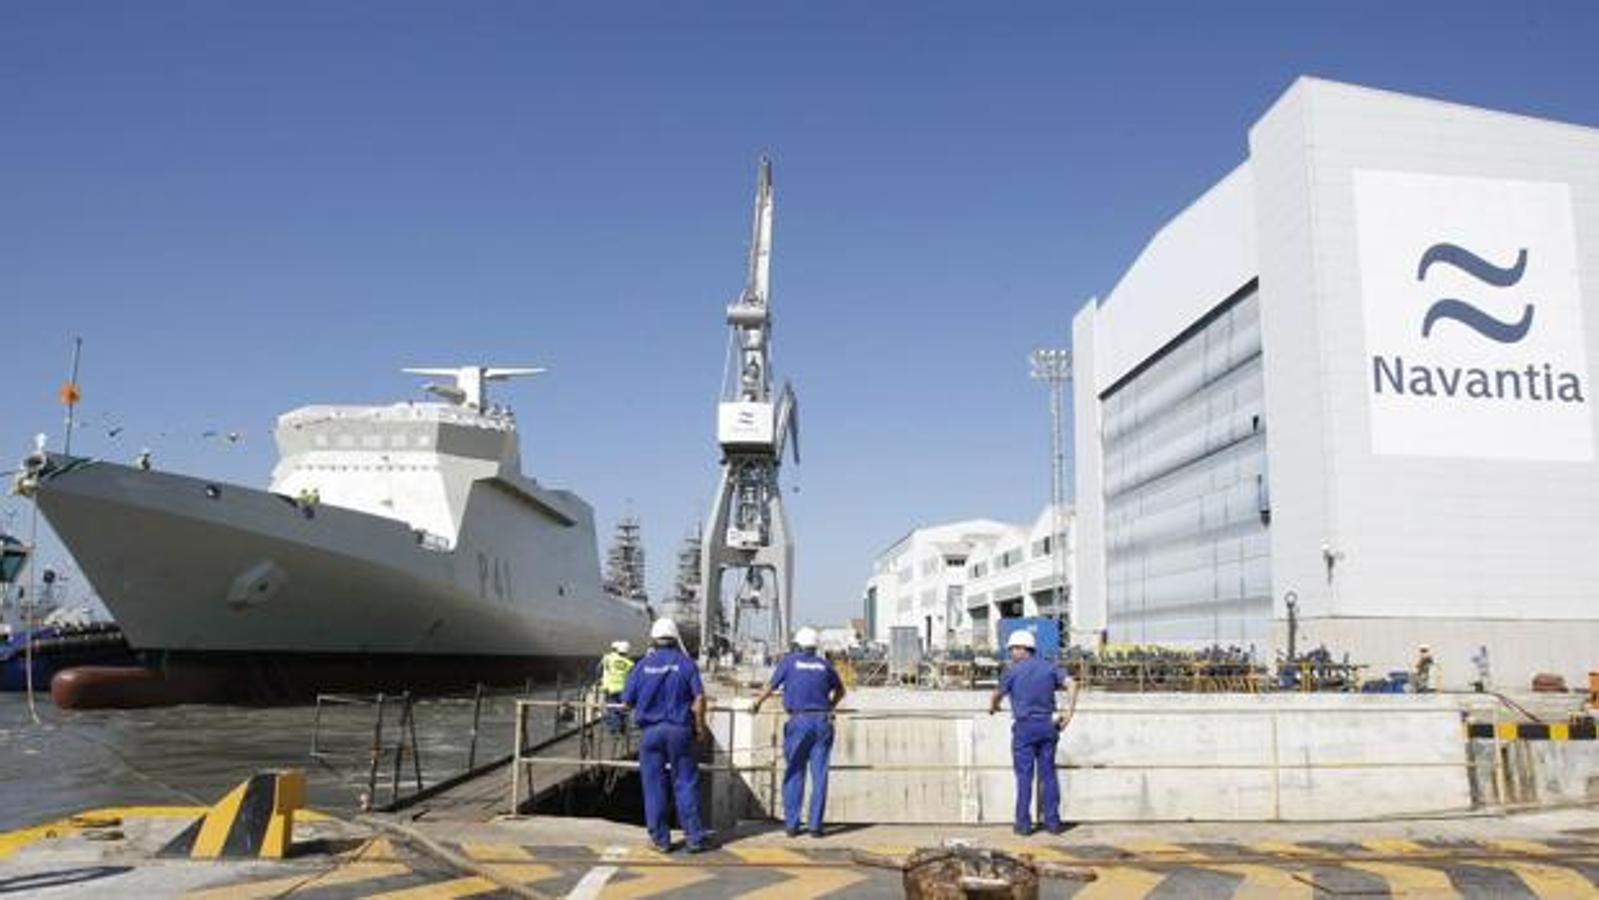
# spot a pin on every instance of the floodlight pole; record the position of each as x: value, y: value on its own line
x: 1053, y: 366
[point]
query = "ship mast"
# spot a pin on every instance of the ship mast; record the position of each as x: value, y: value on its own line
x: 471, y: 382
x: 686, y: 590
x: 624, y: 564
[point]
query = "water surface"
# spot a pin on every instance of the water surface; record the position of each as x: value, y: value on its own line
x: 73, y: 760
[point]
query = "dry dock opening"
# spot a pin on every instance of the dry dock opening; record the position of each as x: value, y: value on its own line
x: 904, y: 756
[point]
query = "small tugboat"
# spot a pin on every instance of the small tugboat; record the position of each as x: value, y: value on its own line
x: 60, y: 640
x: 58, y: 647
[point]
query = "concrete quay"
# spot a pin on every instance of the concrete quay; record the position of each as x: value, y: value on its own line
x: 1549, y: 854
x: 1299, y: 795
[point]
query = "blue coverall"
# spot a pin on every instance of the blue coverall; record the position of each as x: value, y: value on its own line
x: 661, y: 689
x: 1031, y: 684
x: 807, y: 681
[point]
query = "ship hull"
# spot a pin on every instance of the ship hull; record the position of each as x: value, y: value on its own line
x: 253, y: 585
x: 165, y: 679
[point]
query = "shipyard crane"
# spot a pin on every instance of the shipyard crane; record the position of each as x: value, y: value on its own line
x: 747, y: 531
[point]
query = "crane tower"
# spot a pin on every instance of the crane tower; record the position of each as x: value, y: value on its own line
x: 747, y: 532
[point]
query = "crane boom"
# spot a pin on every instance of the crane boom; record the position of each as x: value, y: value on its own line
x: 759, y: 286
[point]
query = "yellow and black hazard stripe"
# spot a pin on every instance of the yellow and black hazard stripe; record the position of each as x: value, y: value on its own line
x: 1575, y: 730
x: 254, y: 820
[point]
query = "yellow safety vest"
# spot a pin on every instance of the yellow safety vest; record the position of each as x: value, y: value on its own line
x: 614, y: 668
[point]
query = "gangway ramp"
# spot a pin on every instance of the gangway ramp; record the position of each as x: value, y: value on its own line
x: 535, y: 771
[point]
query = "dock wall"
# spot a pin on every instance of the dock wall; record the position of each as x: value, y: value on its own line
x: 938, y: 757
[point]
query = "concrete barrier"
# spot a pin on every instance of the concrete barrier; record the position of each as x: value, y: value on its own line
x: 1525, y: 772
x: 254, y: 820
x: 936, y: 757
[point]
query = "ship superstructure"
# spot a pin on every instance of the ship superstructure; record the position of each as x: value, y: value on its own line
x: 411, y: 462
x: 624, y: 564
x: 683, y: 604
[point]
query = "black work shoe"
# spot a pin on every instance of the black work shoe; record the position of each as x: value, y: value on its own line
x: 1021, y: 832
x: 661, y: 848
x: 696, y: 848
x: 1057, y: 828
x: 792, y: 832
x: 816, y: 832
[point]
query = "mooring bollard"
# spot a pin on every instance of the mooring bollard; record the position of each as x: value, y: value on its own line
x: 963, y: 872
x: 960, y: 871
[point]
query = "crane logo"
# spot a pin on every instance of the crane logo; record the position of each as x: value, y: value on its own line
x: 1472, y: 314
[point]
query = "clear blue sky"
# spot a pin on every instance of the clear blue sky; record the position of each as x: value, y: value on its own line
x: 243, y: 208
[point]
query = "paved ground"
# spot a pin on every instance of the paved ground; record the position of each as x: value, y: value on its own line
x: 1542, y: 855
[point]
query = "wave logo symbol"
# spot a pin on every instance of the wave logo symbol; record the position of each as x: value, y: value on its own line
x: 1465, y: 313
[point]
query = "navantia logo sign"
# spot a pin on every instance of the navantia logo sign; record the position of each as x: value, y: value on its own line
x: 1465, y: 312
x: 1473, y: 316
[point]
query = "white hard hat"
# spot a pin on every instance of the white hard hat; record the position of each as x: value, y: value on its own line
x: 1424, y: 648
x: 621, y: 646
x: 805, y: 637
x: 1022, y: 638
x: 664, y: 628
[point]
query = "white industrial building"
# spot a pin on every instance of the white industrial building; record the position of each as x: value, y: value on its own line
x: 1354, y: 375
x: 954, y: 582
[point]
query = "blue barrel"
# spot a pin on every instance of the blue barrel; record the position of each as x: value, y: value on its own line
x: 1045, y: 631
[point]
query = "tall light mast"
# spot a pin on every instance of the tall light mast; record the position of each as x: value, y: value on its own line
x: 1053, y: 366
x: 747, y: 529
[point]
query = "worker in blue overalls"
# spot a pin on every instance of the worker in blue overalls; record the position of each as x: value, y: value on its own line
x: 811, y: 690
x: 1031, y: 682
x: 668, y: 702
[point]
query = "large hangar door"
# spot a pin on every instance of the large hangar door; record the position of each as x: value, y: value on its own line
x: 1186, y: 549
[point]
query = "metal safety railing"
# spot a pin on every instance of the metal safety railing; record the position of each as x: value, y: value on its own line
x: 392, y: 754
x: 380, y: 750
x: 576, y: 716
x: 1131, y: 670
x: 762, y: 755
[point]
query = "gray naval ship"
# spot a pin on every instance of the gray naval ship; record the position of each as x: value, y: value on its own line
x: 398, y: 547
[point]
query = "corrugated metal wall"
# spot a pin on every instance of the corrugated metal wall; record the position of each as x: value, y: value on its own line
x: 1186, y: 549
